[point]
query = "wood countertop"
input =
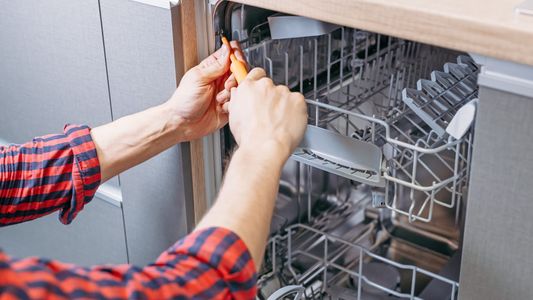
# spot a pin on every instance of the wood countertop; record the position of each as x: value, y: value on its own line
x: 486, y: 27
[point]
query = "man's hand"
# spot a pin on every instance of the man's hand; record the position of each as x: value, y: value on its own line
x: 194, y: 100
x: 191, y: 113
x: 261, y: 113
x: 267, y: 122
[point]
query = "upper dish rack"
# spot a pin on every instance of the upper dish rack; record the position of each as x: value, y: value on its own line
x: 367, y: 87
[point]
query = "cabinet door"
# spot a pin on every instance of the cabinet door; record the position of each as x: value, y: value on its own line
x: 52, y: 67
x: 96, y: 236
x: 139, y: 42
x: 52, y: 72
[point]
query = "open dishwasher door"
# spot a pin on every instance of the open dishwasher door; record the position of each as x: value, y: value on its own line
x: 376, y: 211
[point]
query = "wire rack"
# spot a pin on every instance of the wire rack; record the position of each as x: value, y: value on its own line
x: 371, y: 87
x: 396, y: 94
x: 330, y: 269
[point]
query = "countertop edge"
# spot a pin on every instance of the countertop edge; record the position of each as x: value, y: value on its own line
x: 449, y: 31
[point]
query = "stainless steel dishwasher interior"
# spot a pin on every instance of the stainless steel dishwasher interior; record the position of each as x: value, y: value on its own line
x: 343, y: 233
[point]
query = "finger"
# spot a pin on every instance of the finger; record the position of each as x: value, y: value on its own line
x: 230, y: 82
x: 221, y: 81
x: 225, y: 107
x: 256, y: 74
x: 223, y: 96
x: 216, y: 64
x: 298, y: 96
x: 283, y: 89
x: 236, y: 47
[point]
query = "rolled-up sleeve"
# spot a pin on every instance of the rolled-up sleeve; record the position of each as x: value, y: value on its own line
x: 213, y: 263
x: 53, y: 172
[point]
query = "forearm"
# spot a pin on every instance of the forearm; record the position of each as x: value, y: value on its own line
x: 247, y: 198
x: 133, y: 139
x: 53, y: 172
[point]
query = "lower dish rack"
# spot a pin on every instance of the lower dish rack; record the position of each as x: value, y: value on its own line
x: 345, y: 249
x: 341, y: 269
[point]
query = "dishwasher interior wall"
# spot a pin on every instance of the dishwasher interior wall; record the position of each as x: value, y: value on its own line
x: 340, y: 232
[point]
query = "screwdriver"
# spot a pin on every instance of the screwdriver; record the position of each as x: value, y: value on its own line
x: 237, y: 67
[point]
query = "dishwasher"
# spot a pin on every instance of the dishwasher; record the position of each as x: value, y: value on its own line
x: 371, y: 205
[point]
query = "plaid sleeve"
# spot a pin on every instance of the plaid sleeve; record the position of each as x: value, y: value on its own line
x: 209, y: 264
x: 53, y: 172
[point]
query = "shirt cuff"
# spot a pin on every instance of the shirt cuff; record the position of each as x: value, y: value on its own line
x: 85, y: 171
x: 224, y: 251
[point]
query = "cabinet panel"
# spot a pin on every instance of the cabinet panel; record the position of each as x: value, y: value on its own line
x: 52, y: 67
x: 142, y: 73
x: 96, y: 236
x: 52, y: 72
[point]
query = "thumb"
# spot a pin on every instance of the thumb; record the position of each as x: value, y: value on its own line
x: 215, y: 65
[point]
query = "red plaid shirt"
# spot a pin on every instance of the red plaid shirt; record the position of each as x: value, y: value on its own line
x: 61, y: 172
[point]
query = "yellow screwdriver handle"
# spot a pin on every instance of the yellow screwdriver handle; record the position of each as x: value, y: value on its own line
x: 237, y: 67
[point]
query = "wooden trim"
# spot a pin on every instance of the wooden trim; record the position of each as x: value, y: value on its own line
x: 490, y: 28
x: 198, y: 180
x: 186, y: 57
